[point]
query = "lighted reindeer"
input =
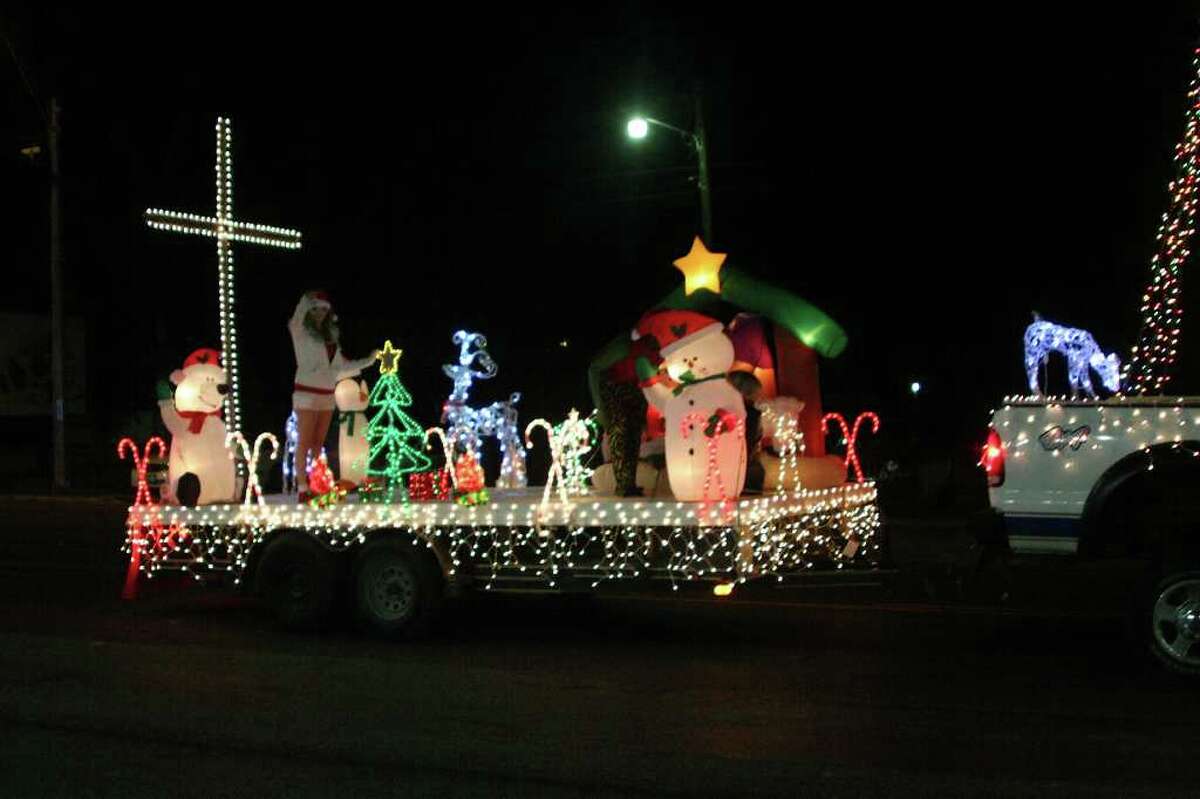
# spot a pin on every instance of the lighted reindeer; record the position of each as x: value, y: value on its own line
x: 467, y: 426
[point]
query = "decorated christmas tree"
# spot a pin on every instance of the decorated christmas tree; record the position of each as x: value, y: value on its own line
x: 1153, y: 361
x: 396, y: 441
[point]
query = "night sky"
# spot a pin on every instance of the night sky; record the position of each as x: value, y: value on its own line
x: 926, y: 178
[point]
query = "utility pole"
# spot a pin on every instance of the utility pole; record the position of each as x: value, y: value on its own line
x: 700, y: 142
x: 56, y: 306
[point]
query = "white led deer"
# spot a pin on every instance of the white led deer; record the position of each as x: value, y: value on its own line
x: 467, y: 426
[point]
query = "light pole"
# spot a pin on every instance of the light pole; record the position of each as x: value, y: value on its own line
x: 639, y: 127
x: 56, y: 306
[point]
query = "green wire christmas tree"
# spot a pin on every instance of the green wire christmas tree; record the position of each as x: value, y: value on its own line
x: 396, y: 441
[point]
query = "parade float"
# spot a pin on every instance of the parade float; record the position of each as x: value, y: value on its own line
x: 704, y: 462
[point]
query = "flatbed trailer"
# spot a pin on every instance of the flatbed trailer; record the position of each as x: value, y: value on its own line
x: 397, y: 561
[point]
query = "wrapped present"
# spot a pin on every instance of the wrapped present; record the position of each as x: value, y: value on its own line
x: 429, y: 486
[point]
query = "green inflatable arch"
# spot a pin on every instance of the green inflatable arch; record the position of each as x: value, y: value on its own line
x: 805, y: 321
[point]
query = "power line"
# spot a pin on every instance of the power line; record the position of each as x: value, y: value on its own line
x: 24, y: 77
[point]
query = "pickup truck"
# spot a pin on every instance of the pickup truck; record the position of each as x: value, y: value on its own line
x: 1109, y: 478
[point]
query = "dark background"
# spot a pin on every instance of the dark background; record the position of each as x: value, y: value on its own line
x: 926, y: 177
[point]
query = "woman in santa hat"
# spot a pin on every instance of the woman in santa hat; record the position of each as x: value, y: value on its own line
x: 319, y: 365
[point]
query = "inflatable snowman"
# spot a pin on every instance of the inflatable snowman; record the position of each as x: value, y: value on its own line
x: 200, y: 469
x: 692, y: 380
x: 351, y: 398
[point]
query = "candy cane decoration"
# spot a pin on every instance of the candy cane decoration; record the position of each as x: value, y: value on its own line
x: 251, y: 456
x: 556, y: 469
x: 851, y: 435
x: 137, y: 539
x: 788, y: 439
x: 686, y: 425
x: 447, y: 451
x: 575, y: 441
x: 142, y: 464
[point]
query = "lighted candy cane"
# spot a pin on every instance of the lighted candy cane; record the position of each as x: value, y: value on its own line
x: 141, y: 463
x: 575, y: 441
x: 556, y: 469
x: 141, y: 500
x: 851, y: 435
x: 686, y: 425
x: 789, y: 441
x: 447, y: 451
x: 251, y: 455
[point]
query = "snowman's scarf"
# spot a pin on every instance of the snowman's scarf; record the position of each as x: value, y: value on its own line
x: 688, y: 379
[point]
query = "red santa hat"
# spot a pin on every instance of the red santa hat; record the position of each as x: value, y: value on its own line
x: 674, y: 328
x: 203, y: 355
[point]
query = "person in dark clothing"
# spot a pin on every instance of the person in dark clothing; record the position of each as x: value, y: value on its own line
x: 625, y: 409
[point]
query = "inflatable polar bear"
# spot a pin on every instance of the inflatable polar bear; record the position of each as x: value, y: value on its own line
x: 200, y: 469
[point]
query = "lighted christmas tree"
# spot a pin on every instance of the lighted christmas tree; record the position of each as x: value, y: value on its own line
x: 1149, y: 370
x: 396, y: 441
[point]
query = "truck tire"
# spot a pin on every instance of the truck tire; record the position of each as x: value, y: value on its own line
x: 297, y: 578
x: 396, y: 591
x: 1171, y: 622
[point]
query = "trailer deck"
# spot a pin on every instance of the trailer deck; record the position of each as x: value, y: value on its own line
x: 519, y: 537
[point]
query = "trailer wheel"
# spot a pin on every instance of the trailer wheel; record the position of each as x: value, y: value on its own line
x: 396, y: 592
x: 298, y: 580
x: 1171, y: 619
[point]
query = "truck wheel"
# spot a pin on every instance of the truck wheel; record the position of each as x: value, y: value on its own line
x: 297, y: 578
x: 396, y: 592
x: 1173, y: 617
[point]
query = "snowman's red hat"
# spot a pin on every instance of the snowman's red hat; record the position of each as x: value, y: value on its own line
x: 691, y: 338
x: 671, y: 325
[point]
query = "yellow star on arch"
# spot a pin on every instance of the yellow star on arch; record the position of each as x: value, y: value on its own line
x: 389, y: 358
x: 701, y: 268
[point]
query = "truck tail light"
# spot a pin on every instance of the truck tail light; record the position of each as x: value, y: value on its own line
x: 992, y: 459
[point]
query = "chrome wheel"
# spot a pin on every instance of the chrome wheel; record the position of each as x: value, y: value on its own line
x: 1176, y: 619
x: 390, y: 589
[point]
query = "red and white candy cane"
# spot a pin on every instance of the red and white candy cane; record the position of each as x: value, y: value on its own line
x: 251, y: 455
x: 135, y: 525
x: 850, y: 433
x: 689, y: 423
x: 447, y: 451
x: 556, y: 470
x: 141, y: 463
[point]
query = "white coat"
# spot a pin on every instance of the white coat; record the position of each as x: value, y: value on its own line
x: 316, y: 373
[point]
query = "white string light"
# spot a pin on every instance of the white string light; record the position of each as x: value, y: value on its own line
x: 226, y: 230
x: 1070, y: 428
x: 599, y: 539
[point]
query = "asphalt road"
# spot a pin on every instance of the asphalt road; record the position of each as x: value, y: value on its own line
x: 193, y: 692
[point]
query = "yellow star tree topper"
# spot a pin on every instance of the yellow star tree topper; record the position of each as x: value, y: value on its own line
x: 389, y: 358
x: 701, y: 268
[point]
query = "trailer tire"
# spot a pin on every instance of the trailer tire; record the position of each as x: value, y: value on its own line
x: 396, y: 591
x: 297, y: 578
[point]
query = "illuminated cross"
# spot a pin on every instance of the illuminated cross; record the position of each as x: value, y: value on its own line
x: 226, y: 230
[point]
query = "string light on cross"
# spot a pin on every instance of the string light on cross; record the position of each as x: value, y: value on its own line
x: 226, y: 230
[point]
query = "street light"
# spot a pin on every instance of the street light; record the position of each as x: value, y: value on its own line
x: 638, y: 128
